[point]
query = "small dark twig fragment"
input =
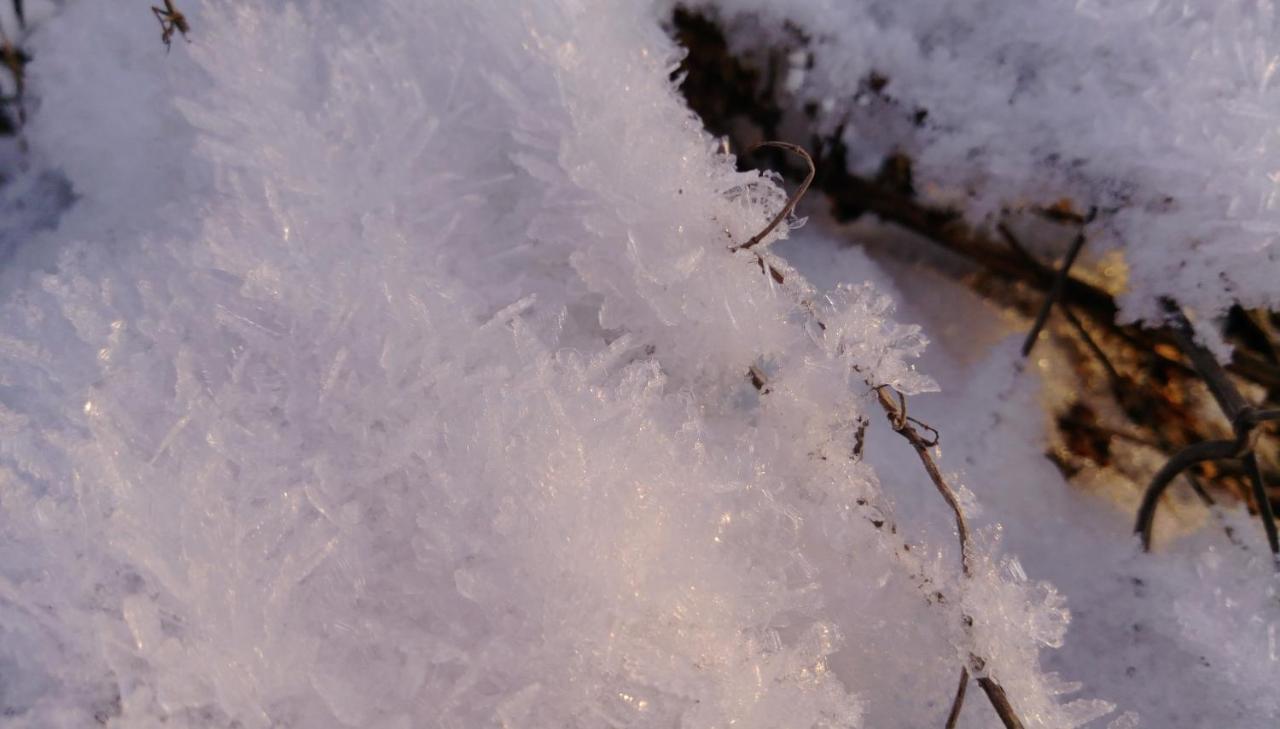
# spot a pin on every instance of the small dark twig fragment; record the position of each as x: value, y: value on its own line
x: 1016, y: 245
x: 1000, y: 702
x: 1113, y: 375
x: 958, y: 702
x: 860, y: 438
x: 935, y: 436
x: 171, y: 20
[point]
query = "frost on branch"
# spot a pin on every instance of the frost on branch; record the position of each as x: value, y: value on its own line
x: 391, y: 368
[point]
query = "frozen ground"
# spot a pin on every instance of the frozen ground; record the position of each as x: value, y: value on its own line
x: 385, y: 365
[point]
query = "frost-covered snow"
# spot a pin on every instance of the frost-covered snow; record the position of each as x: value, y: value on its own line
x: 389, y: 370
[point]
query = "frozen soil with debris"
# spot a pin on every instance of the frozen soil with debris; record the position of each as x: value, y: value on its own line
x: 392, y: 365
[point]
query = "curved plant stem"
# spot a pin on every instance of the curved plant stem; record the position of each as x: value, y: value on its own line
x: 903, y: 425
x: 792, y: 201
x: 1212, y: 450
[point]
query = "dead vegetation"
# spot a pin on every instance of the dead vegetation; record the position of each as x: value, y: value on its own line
x: 1143, y: 392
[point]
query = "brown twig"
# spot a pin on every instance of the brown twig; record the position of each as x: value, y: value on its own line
x: 791, y: 201
x: 958, y: 702
x: 1000, y: 702
x: 896, y: 412
x: 171, y: 20
x: 1055, y: 291
x: 1113, y: 375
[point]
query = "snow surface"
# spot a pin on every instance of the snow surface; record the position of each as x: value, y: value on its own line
x: 389, y: 370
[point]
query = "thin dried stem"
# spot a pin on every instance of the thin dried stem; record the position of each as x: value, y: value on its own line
x: 903, y: 425
x: 958, y: 702
x: 1113, y: 375
x: 1212, y: 450
x: 1198, y: 487
x: 791, y: 201
x: 1055, y: 292
x: 1000, y: 702
x: 1016, y: 246
x: 1220, y: 386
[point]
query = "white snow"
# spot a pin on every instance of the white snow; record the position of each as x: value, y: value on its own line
x: 389, y: 369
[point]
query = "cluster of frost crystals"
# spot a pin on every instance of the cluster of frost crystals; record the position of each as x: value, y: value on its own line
x: 1003, y: 609
x: 858, y: 329
x: 1161, y: 114
x: 391, y: 370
